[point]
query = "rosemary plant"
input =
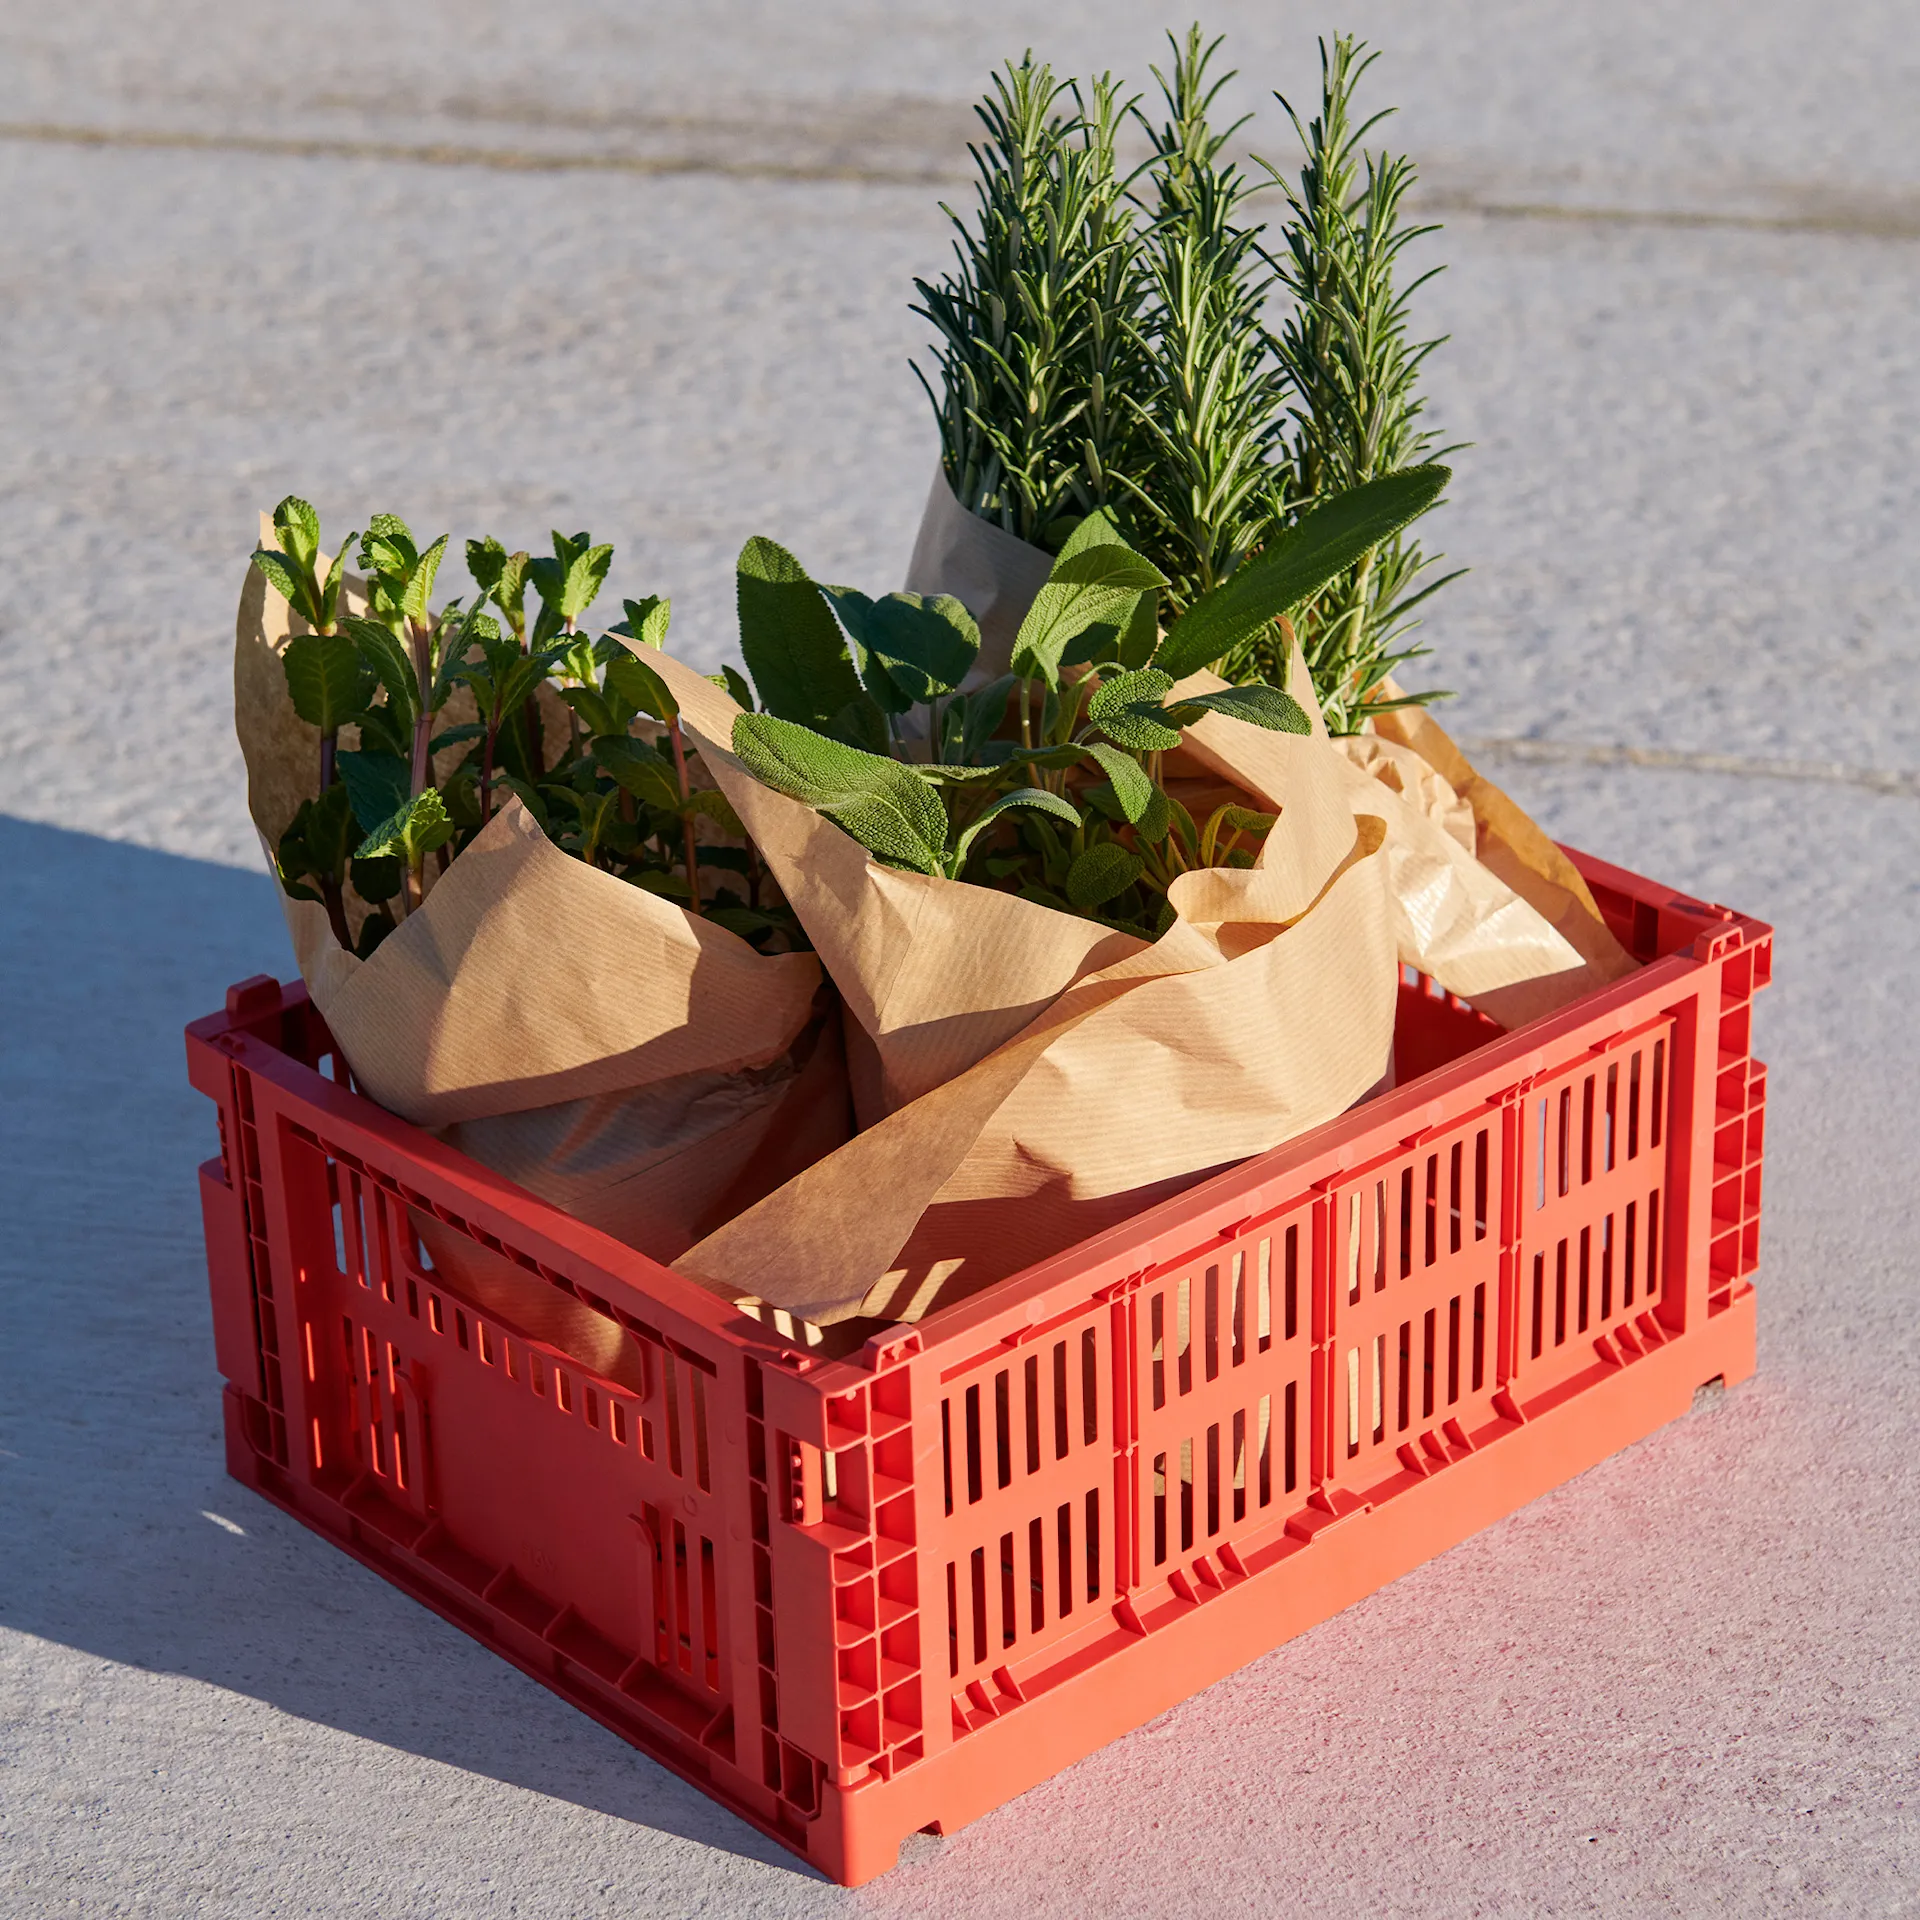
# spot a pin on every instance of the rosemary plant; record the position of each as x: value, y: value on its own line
x: 1357, y: 408
x: 1211, y: 411
x: 1034, y: 318
x: 1104, y: 344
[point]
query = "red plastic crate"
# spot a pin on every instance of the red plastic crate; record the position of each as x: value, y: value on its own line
x: 857, y: 1597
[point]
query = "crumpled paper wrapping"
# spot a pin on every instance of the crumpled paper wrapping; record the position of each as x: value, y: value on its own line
x: 1485, y: 902
x: 643, y: 1069
x: 1037, y: 1076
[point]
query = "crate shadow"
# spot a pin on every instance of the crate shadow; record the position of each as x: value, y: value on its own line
x: 120, y: 1535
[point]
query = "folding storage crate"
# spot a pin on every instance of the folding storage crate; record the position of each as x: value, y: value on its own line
x: 855, y: 1597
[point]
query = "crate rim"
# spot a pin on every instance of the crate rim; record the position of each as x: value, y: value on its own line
x: 1103, y: 1263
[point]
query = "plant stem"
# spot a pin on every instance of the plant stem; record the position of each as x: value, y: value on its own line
x: 486, y: 774
x: 423, y: 721
x: 331, y: 893
x: 686, y: 819
x: 328, y: 742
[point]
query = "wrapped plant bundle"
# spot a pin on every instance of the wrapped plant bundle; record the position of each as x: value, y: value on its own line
x: 645, y: 1068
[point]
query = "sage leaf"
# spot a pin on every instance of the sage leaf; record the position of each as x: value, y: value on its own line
x: 882, y: 804
x: 1102, y: 873
x: 790, y: 640
x: 1097, y: 579
x: 1131, y: 787
x: 1035, y: 799
x: 1258, y: 705
x: 910, y: 650
x: 1127, y: 710
x: 1331, y: 536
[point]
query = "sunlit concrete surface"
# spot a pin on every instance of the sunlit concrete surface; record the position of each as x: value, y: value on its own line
x: 648, y: 271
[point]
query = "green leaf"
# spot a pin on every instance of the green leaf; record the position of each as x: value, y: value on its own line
x: 330, y: 592
x: 1152, y: 826
x: 735, y: 683
x: 1102, y: 873
x: 1033, y: 799
x: 299, y: 529
x: 860, y: 723
x: 1131, y: 787
x: 1142, y: 633
x: 632, y: 681
x: 486, y: 561
x: 282, y: 578
x: 387, y: 660
x: 376, y: 785
x: 647, y: 620
x: 374, y: 928
x: 1127, y: 710
x: 387, y: 548
x: 595, y: 715
x: 879, y: 802
x: 586, y: 574
x: 909, y: 649
x: 418, y: 595
x: 1258, y: 705
x: 326, y: 679
x: 790, y: 640
x: 713, y: 805
x: 1329, y: 537
x: 645, y: 773
x: 986, y: 714
x: 1097, y: 580
x: 414, y: 830
x: 376, y: 880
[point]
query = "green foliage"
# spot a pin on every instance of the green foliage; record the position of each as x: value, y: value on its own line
x: 1338, y: 531
x: 291, y: 568
x: 415, y: 829
x: 1105, y: 342
x: 1347, y: 352
x: 622, y: 796
x: 1035, y: 317
x: 792, y: 645
x: 1069, y: 813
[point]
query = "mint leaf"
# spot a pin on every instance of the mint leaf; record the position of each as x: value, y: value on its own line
x: 376, y: 785
x: 327, y: 681
x: 414, y: 830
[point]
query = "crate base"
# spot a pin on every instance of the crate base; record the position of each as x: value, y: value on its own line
x: 1146, y: 1667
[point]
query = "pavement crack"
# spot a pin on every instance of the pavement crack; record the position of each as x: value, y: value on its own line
x: 1902, y: 783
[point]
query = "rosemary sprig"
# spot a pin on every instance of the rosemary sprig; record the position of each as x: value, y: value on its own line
x: 1357, y: 409
x: 1210, y: 480
x: 1033, y: 316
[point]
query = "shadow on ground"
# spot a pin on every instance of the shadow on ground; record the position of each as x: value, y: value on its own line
x: 117, y: 1522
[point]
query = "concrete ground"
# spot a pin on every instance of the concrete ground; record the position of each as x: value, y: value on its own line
x: 647, y: 270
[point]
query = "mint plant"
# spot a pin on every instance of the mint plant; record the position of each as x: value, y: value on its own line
x: 623, y: 795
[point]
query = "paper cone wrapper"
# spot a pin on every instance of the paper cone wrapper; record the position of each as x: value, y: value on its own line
x: 646, y: 1071
x: 1042, y: 1075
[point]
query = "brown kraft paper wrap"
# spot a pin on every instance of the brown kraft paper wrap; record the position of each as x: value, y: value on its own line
x: 1489, y: 907
x: 643, y: 1069
x: 1045, y: 1075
